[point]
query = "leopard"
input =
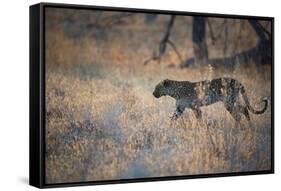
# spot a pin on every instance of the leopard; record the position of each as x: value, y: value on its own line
x: 194, y: 95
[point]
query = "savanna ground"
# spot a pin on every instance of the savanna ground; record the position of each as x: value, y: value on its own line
x: 103, y: 123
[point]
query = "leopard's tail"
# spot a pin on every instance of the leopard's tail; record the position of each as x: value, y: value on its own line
x: 245, y: 97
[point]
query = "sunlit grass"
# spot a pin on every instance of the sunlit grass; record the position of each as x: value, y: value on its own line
x: 102, y: 121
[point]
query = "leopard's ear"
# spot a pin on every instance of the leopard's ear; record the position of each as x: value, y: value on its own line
x: 166, y: 82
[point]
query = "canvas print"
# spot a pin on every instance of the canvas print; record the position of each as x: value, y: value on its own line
x: 139, y: 95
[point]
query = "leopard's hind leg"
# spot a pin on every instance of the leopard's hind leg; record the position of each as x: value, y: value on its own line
x: 234, y: 111
x: 244, y: 110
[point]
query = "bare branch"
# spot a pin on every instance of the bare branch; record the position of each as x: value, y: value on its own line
x: 225, y: 36
x: 163, y: 44
x: 260, y: 31
x: 115, y: 19
x: 176, y: 51
x: 211, y: 32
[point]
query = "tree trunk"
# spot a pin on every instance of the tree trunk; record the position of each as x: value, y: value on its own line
x: 260, y: 54
x: 199, y: 40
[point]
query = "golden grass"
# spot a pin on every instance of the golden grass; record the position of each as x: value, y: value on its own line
x: 103, y: 123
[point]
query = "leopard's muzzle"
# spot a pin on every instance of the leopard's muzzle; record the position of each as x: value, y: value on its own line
x: 156, y: 94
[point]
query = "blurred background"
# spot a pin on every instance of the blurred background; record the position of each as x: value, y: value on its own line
x: 101, y: 69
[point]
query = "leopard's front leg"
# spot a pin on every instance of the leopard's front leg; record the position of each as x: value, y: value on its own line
x: 177, y: 113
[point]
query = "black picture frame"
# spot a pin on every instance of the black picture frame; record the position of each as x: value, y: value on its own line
x: 37, y: 96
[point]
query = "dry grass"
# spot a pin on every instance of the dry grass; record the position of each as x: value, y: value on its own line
x: 102, y: 121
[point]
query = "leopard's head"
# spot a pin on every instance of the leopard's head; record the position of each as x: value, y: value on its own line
x: 162, y: 89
